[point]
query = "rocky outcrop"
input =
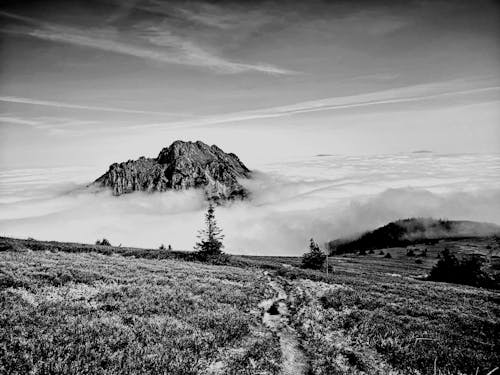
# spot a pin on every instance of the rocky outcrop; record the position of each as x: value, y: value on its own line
x: 182, y: 165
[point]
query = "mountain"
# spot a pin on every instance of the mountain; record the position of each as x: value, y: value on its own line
x: 411, y: 231
x: 182, y: 165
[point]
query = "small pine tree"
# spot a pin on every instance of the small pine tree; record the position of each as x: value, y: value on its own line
x: 162, y: 247
x: 211, y: 237
x: 315, y: 258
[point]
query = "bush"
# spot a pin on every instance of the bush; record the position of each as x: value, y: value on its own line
x: 467, y: 271
x: 217, y: 259
x: 103, y: 242
x: 315, y: 258
x: 388, y: 256
x: 381, y: 252
x: 410, y: 253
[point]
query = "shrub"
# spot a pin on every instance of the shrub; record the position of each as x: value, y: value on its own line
x: 371, y: 251
x: 467, y: 271
x: 315, y: 258
x: 410, y: 253
x: 381, y: 252
x: 388, y: 256
x: 103, y: 242
x: 162, y: 247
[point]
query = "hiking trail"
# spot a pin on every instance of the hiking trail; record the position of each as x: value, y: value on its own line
x: 276, y: 319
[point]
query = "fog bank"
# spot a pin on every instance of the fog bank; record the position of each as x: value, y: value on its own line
x: 321, y: 197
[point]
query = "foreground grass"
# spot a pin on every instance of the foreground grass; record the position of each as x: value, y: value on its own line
x: 87, y: 313
x: 71, y: 308
x: 370, y: 323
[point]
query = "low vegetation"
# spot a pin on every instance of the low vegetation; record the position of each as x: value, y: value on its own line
x: 73, y: 308
x: 390, y: 325
x: 64, y: 313
x: 103, y: 242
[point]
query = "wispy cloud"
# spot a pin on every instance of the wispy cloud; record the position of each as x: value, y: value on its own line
x: 190, y: 53
x: 403, y: 95
x: 175, y: 49
x: 48, y: 103
x: 52, y: 125
x: 18, y: 121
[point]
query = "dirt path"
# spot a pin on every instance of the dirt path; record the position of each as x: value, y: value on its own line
x: 275, y: 318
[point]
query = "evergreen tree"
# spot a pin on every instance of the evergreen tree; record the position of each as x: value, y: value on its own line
x: 315, y: 258
x: 211, y: 237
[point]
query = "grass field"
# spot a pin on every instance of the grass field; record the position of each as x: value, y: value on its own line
x: 71, y: 308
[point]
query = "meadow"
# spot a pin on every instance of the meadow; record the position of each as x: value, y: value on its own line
x: 87, y: 309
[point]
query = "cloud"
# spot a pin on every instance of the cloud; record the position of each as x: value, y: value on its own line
x: 57, y: 104
x: 19, y: 121
x: 175, y: 49
x: 191, y: 54
x: 403, y: 95
x: 55, y: 125
x: 314, y: 198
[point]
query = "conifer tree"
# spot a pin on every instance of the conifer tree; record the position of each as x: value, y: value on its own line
x: 315, y: 258
x: 211, y: 237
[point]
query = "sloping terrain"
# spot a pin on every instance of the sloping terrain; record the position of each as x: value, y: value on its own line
x: 412, y: 231
x: 72, y: 308
x: 64, y: 313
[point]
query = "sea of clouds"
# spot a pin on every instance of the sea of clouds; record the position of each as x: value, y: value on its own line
x: 324, y: 197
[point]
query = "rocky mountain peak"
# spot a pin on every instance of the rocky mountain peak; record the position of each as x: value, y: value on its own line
x: 182, y: 165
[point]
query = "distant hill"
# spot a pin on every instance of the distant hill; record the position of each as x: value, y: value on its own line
x: 410, y: 231
x: 182, y: 165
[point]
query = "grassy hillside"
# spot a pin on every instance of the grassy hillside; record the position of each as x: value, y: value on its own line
x: 72, y: 308
x: 64, y: 313
x: 412, y: 231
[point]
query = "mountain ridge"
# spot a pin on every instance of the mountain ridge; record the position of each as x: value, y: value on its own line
x: 180, y: 166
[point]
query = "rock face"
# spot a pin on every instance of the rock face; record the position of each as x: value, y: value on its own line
x: 183, y: 165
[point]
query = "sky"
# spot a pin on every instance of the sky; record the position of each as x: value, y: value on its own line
x: 88, y: 83
x: 351, y: 114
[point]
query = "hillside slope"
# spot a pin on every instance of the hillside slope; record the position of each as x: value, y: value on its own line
x: 72, y: 308
x: 412, y: 231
